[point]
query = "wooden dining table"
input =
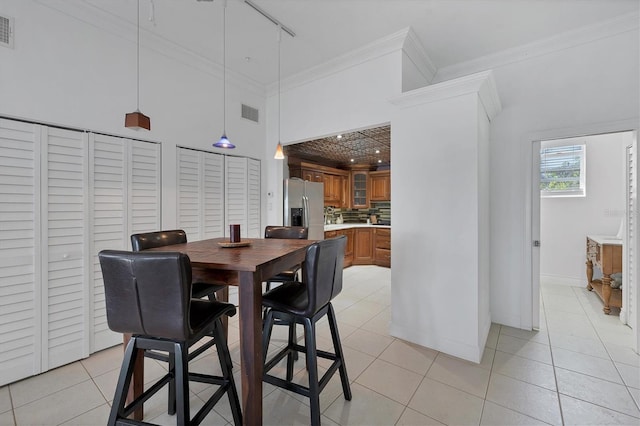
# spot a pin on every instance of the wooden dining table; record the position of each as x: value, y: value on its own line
x: 246, y: 267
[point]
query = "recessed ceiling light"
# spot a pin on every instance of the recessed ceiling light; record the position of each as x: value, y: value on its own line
x: 352, y: 160
x: 377, y: 151
x: 340, y: 137
x: 379, y: 161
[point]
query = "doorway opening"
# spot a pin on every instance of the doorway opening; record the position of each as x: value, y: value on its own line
x: 582, y: 186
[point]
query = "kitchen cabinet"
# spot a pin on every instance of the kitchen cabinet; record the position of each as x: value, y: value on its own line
x: 380, y: 184
x: 333, y: 190
x: 382, y: 241
x: 335, y: 181
x: 363, y: 246
x: 312, y: 175
x: 348, y: 249
x: 360, y: 189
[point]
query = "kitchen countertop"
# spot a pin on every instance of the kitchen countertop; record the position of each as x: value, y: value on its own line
x: 336, y: 227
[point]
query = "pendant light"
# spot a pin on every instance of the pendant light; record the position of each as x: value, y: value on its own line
x: 137, y: 120
x: 279, y: 153
x: 224, y: 141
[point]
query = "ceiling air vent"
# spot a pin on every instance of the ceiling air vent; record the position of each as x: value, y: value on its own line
x: 6, y: 31
x: 250, y: 113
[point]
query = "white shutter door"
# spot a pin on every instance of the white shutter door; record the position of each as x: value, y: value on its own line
x: 65, y: 263
x: 213, y: 195
x: 189, y: 209
x: 236, y: 194
x: 253, y: 212
x: 630, y: 304
x: 108, y: 195
x: 19, y: 247
x: 144, y: 184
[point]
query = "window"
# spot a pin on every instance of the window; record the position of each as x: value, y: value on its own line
x: 562, y: 171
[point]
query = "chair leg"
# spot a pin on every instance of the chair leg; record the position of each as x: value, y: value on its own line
x: 172, y: 385
x: 267, y: 327
x: 183, y: 415
x: 226, y: 364
x: 124, y: 381
x: 337, y: 346
x: 312, y: 367
x: 292, y: 354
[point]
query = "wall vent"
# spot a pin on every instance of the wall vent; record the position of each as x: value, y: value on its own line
x: 250, y: 113
x: 6, y: 31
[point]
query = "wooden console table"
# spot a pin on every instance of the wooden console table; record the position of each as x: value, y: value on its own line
x: 606, y: 253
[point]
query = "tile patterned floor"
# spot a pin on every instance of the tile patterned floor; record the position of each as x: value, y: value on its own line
x: 578, y: 369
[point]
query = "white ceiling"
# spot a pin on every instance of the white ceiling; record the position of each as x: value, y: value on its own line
x: 451, y: 31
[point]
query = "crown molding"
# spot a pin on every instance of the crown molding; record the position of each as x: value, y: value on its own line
x: 481, y: 83
x: 418, y: 55
x: 115, y: 26
x: 381, y: 47
x: 569, y: 39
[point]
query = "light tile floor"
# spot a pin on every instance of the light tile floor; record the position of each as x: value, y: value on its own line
x: 578, y: 369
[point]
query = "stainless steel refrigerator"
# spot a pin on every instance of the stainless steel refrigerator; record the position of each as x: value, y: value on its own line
x: 304, y: 206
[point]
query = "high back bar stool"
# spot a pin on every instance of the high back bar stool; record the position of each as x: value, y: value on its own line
x: 285, y: 232
x: 148, y: 295
x: 307, y: 302
x: 150, y: 240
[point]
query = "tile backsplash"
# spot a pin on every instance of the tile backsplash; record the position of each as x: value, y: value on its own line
x: 381, y: 209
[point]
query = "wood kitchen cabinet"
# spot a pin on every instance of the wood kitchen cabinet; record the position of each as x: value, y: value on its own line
x: 333, y: 191
x: 360, y: 189
x: 380, y: 184
x: 363, y: 246
x: 382, y: 241
x: 335, y: 181
x: 312, y: 175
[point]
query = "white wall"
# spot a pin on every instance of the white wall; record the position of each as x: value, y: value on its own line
x: 553, y: 92
x: 65, y: 71
x: 565, y: 221
x: 566, y: 93
x: 354, y: 98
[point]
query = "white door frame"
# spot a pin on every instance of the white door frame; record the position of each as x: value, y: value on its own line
x: 530, y: 295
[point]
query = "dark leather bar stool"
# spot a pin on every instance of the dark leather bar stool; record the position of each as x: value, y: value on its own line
x: 150, y: 240
x: 307, y: 302
x: 285, y: 232
x: 149, y: 296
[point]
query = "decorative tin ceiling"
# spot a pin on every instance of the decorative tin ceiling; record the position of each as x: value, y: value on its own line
x: 365, y: 147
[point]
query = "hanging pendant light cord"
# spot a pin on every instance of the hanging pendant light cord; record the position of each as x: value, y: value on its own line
x: 279, y: 95
x: 224, y: 67
x: 138, y: 57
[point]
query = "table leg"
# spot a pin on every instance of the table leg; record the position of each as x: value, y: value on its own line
x: 589, y: 274
x: 606, y: 292
x: 251, y: 360
x: 136, y: 387
x: 223, y: 296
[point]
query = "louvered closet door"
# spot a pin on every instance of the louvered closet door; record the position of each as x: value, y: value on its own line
x: 631, y: 244
x: 213, y: 195
x: 253, y: 204
x: 65, y: 262
x: 200, y: 193
x: 236, y: 194
x: 19, y: 247
x: 125, y: 199
x: 189, y: 207
x: 109, y: 225
x: 144, y: 194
